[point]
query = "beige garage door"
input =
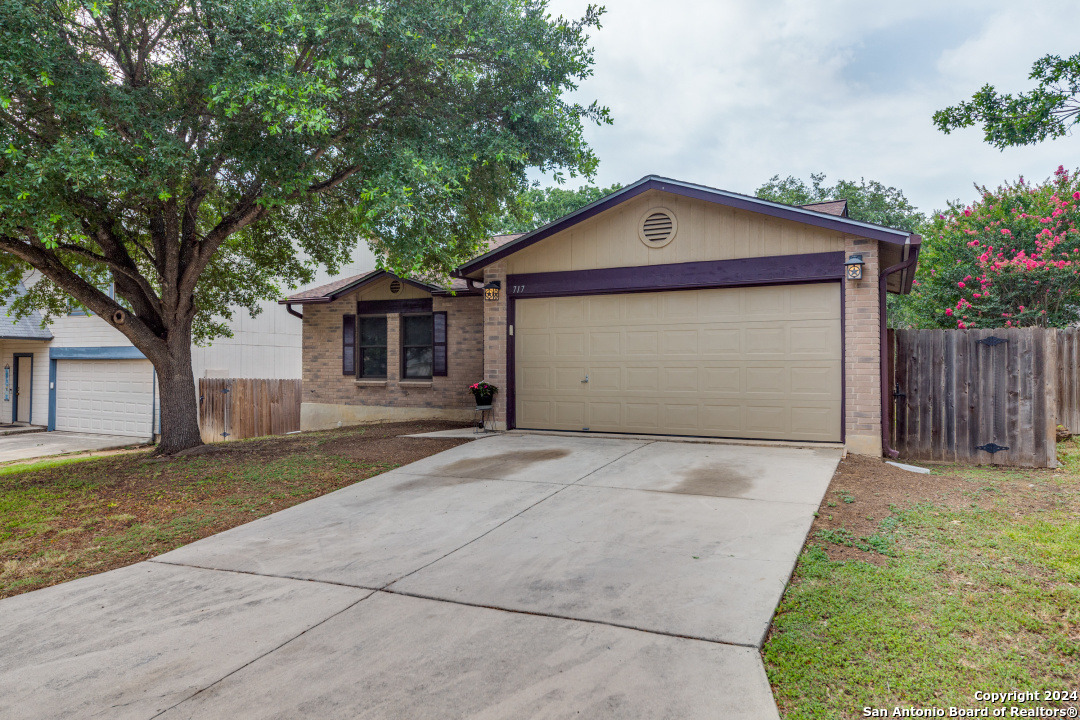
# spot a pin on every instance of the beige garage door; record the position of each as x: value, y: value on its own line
x: 762, y: 362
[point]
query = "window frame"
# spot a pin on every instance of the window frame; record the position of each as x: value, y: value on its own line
x: 403, y: 347
x: 360, y: 347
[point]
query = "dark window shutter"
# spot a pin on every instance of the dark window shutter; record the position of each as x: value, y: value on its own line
x: 348, y: 344
x: 439, y: 361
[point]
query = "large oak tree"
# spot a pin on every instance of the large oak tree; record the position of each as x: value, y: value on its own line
x: 198, y: 154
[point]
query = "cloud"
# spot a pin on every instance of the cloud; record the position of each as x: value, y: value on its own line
x: 730, y: 93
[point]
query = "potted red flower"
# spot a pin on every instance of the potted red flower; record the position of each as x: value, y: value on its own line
x: 483, y: 392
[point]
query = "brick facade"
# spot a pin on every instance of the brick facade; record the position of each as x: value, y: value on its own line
x: 496, y: 335
x: 862, y: 352
x: 326, y: 387
x: 477, y: 339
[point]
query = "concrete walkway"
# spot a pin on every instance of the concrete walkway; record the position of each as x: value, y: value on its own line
x: 26, y: 446
x: 512, y: 577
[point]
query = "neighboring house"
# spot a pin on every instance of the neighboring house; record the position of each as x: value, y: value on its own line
x: 666, y: 308
x: 81, y: 374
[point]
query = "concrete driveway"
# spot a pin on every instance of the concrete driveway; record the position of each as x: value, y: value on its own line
x: 25, y: 446
x: 516, y: 576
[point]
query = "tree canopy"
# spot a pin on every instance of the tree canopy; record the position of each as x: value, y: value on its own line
x: 1009, y: 259
x: 1048, y: 110
x: 868, y: 200
x: 193, y: 151
x: 538, y: 206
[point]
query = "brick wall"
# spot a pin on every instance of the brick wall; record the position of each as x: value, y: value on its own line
x: 323, y: 381
x: 495, y: 339
x: 862, y: 351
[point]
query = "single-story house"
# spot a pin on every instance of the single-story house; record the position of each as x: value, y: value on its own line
x: 666, y: 308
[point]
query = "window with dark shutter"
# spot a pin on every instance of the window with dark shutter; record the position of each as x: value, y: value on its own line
x: 417, y: 333
x: 371, y: 349
x: 439, y: 361
x: 348, y: 344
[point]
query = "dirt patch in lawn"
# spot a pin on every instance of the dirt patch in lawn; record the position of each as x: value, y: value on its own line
x: 65, y: 521
x: 865, y: 492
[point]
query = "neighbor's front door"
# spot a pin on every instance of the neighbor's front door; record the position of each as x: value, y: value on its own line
x: 24, y: 373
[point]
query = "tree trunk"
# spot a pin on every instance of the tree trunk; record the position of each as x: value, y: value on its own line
x: 179, y: 400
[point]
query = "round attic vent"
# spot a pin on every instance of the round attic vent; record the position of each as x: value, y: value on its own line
x: 395, y: 286
x: 658, y: 227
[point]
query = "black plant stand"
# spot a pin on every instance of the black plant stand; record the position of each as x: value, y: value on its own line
x: 486, y: 415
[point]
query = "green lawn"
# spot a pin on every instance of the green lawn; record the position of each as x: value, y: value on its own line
x: 64, y: 518
x: 979, y: 591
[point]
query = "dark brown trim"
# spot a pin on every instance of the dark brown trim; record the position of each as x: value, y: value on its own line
x: 843, y: 360
x: 386, y: 307
x: 775, y: 270
x: 288, y: 309
x: 511, y: 371
x: 698, y: 192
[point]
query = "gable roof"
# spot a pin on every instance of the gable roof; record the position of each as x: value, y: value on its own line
x: 829, y: 207
x: 333, y: 290
x: 814, y: 217
x: 24, y: 328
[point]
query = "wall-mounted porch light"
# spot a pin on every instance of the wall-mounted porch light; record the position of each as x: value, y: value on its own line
x: 491, y: 290
x: 854, y: 266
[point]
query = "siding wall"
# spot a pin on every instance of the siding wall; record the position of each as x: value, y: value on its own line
x: 40, y: 400
x: 706, y: 231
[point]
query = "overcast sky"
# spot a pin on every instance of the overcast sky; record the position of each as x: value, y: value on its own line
x: 728, y: 93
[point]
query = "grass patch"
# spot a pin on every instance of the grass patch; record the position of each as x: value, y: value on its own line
x: 63, y: 518
x: 19, y: 468
x: 978, y: 590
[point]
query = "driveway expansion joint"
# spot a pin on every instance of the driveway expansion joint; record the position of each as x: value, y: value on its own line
x: 272, y: 650
x: 536, y: 613
x: 259, y: 574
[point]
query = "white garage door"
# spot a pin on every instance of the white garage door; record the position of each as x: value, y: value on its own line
x: 761, y: 362
x: 112, y: 397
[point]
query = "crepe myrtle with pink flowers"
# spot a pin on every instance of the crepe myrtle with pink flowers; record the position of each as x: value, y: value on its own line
x: 1010, y: 259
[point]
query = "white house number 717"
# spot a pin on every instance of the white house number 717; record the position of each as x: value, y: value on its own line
x: 517, y: 289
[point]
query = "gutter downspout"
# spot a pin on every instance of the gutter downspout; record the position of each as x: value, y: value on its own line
x: 288, y: 309
x: 883, y: 361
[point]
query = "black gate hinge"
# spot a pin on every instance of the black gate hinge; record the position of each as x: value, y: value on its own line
x: 991, y: 447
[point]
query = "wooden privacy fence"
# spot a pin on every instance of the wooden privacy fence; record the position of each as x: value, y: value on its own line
x: 1068, y: 380
x: 977, y: 396
x: 236, y: 408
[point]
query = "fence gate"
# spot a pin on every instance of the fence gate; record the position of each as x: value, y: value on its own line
x: 236, y: 408
x: 976, y: 396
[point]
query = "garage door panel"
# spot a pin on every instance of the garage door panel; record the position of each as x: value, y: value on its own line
x: 721, y: 341
x: 605, y: 378
x: 112, y: 397
x: 534, y: 345
x: 605, y: 414
x: 642, y: 379
x: 570, y: 344
x: 605, y: 343
x: 569, y: 378
x: 679, y: 342
x: 729, y: 363
x: 640, y: 309
x: 642, y: 342
x: 535, y: 413
x: 815, y: 302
